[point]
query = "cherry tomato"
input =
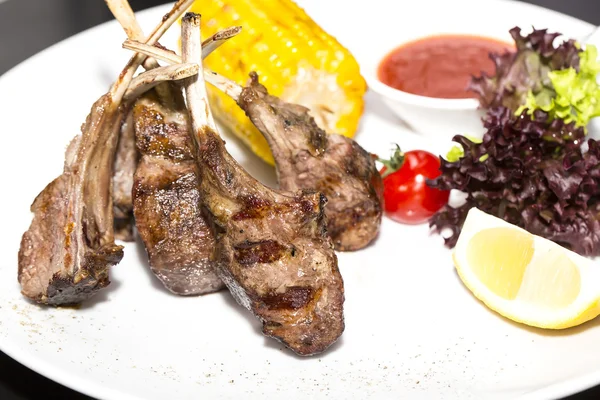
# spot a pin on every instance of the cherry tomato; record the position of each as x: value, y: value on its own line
x: 407, y: 197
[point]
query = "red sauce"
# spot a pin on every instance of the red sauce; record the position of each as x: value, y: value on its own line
x: 440, y: 66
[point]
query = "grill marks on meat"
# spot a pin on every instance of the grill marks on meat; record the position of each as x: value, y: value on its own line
x: 269, y: 244
x: 66, y: 252
x: 167, y: 210
x: 263, y: 251
x: 294, y: 298
x: 306, y: 157
x: 275, y: 256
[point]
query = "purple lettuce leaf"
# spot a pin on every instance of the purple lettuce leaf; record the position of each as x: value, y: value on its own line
x: 531, y: 173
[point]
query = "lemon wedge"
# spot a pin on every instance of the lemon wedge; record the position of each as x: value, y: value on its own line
x: 524, y: 277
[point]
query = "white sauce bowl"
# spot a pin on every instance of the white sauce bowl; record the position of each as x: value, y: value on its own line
x: 430, y: 116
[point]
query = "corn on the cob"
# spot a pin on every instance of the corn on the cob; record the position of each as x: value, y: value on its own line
x: 295, y: 59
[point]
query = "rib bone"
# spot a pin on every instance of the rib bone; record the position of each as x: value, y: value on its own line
x: 147, y: 80
x: 208, y: 46
x: 222, y: 83
x: 120, y: 86
x: 123, y: 13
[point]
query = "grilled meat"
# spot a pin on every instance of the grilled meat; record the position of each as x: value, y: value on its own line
x: 66, y: 252
x: 272, y: 248
x: 69, y: 247
x: 165, y: 190
x: 166, y: 202
x: 306, y: 157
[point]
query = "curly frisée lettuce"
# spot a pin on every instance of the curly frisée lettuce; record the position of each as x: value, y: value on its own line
x: 525, y: 70
x: 576, y: 96
x: 530, y: 172
x: 559, y: 80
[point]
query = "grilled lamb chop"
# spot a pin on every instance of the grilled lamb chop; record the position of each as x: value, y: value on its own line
x: 166, y: 198
x: 66, y: 253
x: 307, y: 158
x: 126, y: 158
x: 166, y: 202
x: 273, y: 251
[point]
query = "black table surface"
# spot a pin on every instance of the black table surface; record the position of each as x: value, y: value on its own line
x: 55, y: 20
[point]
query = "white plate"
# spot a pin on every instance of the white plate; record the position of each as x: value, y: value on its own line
x: 411, y: 327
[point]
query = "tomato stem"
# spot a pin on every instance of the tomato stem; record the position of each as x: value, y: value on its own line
x: 394, y: 163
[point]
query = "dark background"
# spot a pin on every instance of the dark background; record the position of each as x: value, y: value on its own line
x: 28, y: 26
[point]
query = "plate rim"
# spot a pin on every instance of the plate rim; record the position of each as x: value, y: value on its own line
x: 94, y: 388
